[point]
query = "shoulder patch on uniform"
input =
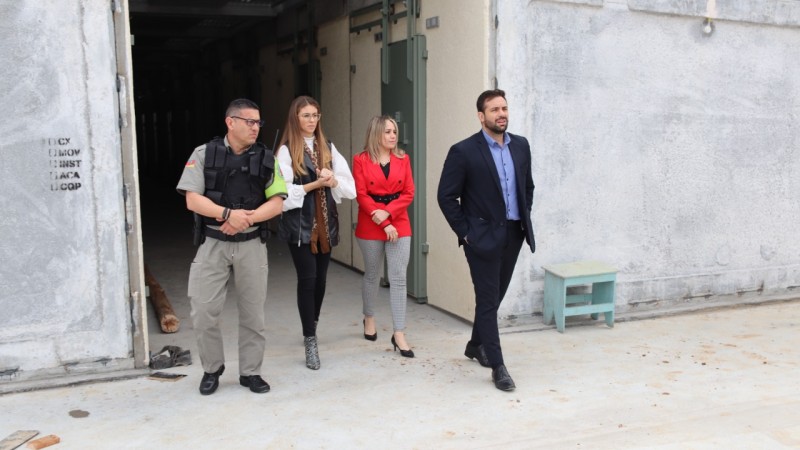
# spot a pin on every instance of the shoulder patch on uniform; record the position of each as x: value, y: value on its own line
x: 190, y: 163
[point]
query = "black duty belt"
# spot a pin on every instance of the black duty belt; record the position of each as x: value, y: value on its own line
x: 385, y: 199
x: 238, y: 237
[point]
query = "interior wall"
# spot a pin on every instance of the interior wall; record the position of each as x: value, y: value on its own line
x: 335, y: 100
x: 458, y: 71
x: 273, y: 102
x: 285, y: 88
x: 365, y: 97
x: 278, y: 87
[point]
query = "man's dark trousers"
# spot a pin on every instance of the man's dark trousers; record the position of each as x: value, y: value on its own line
x: 491, y: 277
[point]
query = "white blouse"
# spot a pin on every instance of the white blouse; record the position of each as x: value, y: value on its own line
x: 341, y: 171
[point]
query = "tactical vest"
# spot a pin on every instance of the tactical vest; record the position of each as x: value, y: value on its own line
x: 237, y: 181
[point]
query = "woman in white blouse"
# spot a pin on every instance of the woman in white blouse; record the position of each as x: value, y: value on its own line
x: 317, y: 178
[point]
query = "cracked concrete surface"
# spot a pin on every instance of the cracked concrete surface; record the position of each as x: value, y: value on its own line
x: 725, y: 378
x: 708, y: 380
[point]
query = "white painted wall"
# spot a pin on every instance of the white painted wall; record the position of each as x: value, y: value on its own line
x: 63, y: 281
x: 669, y: 154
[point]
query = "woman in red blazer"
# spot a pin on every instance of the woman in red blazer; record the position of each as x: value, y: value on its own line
x: 384, y: 190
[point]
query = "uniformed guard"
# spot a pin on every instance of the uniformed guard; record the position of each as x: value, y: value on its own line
x: 233, y: 186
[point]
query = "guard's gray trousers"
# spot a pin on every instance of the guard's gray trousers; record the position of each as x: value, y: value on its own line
x: 397, y: 254
x: 208, y: 285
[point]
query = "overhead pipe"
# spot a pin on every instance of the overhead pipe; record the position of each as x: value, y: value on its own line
x: 385, y: 42
x: 411, y: 17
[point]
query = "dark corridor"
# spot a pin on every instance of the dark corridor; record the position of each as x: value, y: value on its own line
x: 191, y: 57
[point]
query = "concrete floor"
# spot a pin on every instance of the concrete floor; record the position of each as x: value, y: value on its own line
x: 725, y: 379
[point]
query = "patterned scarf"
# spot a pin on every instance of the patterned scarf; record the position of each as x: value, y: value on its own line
x: 319, y: 242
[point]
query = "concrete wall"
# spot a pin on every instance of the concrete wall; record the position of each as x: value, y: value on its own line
x: 63, y: 283
x: 666, y: 152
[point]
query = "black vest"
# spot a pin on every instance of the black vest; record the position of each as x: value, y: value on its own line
x: 295, y: 225
x: 237, y: 181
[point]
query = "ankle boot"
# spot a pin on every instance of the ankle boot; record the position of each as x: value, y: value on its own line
x: 312, y: 352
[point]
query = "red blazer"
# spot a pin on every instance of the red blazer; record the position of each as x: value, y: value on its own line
x: 370, y: 180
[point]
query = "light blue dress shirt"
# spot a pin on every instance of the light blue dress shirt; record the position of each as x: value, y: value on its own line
x: 505, y: 170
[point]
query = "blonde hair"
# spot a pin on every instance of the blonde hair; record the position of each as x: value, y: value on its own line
x: 375, y: 130
x: 293, y: 138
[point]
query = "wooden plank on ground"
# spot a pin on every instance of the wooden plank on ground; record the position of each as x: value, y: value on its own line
x: 166, y: 315
x: 16, y: 439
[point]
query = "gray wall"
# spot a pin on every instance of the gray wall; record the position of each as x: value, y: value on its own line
x: 666, y: 152
x: 64, y: 292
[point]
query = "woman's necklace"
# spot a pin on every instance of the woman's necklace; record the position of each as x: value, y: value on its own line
x: 385, y: 159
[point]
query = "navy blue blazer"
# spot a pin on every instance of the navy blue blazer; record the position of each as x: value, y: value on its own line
x: 471, y: 198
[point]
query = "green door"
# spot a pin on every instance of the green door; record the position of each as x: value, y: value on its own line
x: 403, y: 97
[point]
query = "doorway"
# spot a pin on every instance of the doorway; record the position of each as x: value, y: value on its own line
x: 188, y: 62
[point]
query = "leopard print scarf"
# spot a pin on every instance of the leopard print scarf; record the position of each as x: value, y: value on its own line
x: 320, y: 236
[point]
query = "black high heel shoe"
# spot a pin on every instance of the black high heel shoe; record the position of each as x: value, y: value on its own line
x: 407, y: 353
x: 370, y: 337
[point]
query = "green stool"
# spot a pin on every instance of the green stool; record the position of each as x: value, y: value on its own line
x: 558, y: 304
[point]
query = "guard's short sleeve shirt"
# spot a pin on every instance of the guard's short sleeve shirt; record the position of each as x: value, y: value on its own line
x: 193, y: 178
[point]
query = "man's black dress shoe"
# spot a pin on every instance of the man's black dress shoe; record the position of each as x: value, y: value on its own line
x: 255, y: 383
x: 210, y: 381
x: 502, y: 380
x: 477, y: 352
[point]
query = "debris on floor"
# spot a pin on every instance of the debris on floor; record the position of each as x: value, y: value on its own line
x: 164, y: 376
x: 170, y: 356
x: 47, y: 441
x: 17, y: 438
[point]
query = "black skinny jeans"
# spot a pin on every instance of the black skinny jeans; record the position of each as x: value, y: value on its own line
x: 312, y: 272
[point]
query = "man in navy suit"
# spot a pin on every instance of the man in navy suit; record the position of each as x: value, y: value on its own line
x: 485, y: 193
